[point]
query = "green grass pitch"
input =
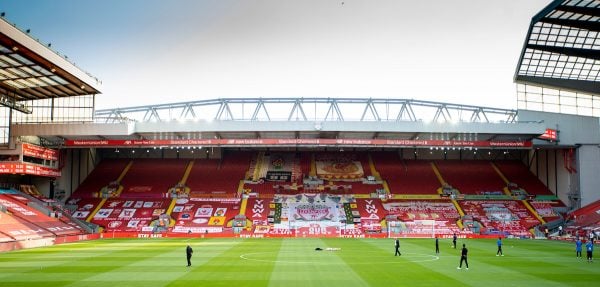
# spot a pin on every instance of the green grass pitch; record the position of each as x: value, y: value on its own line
x: 293, y: 262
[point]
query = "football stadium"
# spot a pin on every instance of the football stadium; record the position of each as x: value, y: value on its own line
x: 304, y: 191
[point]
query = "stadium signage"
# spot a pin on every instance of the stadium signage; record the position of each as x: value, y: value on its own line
x: 27, y: 168
x: 549, y: 134
x: 39, y: 152
x: 296, y: 142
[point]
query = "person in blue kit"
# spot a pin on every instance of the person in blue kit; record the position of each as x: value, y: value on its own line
x: 499, y: 243
x: 578, y: 248
x: 589, y: 247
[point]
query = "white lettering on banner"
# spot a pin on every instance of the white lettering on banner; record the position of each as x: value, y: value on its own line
x: 144, y: 235
x: 258, y: 209
x: 371, y: 209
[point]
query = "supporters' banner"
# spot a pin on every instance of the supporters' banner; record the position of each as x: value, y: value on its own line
x: 127, y: 213
x: 220, y: 211
x: 497, y: 211
x: 370, y: 209
x: 257, y: 211
x: 81, y: 214
x: 279, y: 166
x: 103, y: 213
x: 131, y: 215
x: 298, y: 142
x: 217, y: 220
x: 313, y: 212
x: 422, y: 210
x: 544, y: 209
x: 338, y: 166
x: 261, y: 229
x: 204, y: 212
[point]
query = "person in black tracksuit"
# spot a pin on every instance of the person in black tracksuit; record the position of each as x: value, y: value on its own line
x: 397, y: 246
x: 437, y: 245
x: 188, y: 253
x: 454, y: 240
x: 463, y: 257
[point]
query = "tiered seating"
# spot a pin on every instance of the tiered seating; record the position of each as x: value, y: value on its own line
x: 546, y: 209
x: 84, y: 206
x: 501, y: 217
x: 108, y: 170
x: 152, y: 178
x: 124, y: 214
x: 32, y: 191
x: 204, y: 215
x: 17, y: 206
x: 219, y: 179
x: 585, y: 218
x: 471, y: 177
x: 406, y: 177
x: 3, y: 236
x: 15, y: 228
x: 305, y: 162
x: 517, y: 172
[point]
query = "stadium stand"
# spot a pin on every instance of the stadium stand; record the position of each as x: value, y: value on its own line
x: 471, y: 177
x: 516, y: 172
x: 19, y: 208
x: 500, y: 217
x: 127, y: 214
x: 107, y: 171
x: 204, y: 215
x: 406, y: 176
x: 152, y: 178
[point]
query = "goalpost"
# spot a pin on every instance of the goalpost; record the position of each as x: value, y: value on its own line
x: 416, y: 228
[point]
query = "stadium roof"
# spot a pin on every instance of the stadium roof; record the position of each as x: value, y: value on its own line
x: 562, y: 49
x: 251, y: 120
x: 30, y: 70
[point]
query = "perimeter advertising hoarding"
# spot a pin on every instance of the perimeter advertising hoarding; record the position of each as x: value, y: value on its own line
x: 298, y: 142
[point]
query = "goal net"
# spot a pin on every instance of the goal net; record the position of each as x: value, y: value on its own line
x: 416, y: 228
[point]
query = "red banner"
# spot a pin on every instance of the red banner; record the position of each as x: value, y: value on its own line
x: 296, y: 142
x: 27, y: 168
x: 39, y: 152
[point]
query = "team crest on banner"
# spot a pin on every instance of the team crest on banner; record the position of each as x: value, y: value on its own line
x: 81, y: 214
x: 204, y: 212
x: 220, y: 211
x: 217, y: 220
x: 127, y: 213
x: 103, y: 213
x: 312, y: 212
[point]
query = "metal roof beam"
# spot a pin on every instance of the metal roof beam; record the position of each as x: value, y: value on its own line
x: 586, y: 25
x: 576, y: 52
x: 595, y: 12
